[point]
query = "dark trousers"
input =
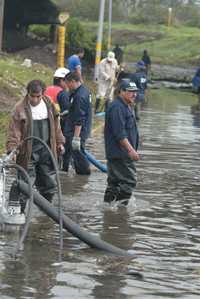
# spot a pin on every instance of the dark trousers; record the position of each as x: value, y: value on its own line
x: 121, y: 179
x: 77, y: 158
x: 42, y: 174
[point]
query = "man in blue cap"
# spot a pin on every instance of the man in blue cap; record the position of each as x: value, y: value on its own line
x: 121, y: 143
x: 140, y: 79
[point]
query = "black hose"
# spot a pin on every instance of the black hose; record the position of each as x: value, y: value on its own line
x: 72, y: 227
x: 30, y: 204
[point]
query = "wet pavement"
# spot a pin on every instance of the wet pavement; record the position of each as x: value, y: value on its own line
x: 160, y: 227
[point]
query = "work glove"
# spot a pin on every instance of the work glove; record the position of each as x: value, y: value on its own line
x: 76, y: 143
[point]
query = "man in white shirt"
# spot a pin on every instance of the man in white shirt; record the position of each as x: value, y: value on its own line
x: 36, y: 116
x: 108, y: 68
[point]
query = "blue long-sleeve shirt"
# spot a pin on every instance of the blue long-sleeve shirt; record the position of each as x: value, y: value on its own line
x: 80, y: 113
x: 119, y: 124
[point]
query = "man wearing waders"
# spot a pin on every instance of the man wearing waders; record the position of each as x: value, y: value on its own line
x: 118, y: 54
x: 35, y: 115
x: 140, y: 79
x: 108, y: 68
x: 121, y: 143
x: 196, y: 89
x: 147, y: 61
x: 77, y: 125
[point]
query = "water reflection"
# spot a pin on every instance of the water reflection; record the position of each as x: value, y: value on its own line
x: 162, y: 230
x: 115, y: 229
x: 196, y: 120
x: 32, y: 274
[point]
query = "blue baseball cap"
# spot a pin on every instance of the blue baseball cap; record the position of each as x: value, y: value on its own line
x: 128, y: 86
x: 140, y: 64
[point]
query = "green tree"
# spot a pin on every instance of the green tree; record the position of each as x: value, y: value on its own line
x: 77, y: 37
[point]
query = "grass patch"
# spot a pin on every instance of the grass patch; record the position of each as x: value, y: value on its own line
x: 12, y: 71
x: 13, y: 80
x: 176, y: 45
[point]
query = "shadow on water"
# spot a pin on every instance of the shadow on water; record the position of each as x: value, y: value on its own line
x: 160, y: 227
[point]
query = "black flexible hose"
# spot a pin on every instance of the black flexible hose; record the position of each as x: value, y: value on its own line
x: 72, y: 227
x: 30, y: 205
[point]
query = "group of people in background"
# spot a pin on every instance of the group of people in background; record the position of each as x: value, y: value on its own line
x: 112, y: 71
x: 61, y: 116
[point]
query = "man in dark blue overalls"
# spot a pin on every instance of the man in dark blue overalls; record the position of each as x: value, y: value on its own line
x: 77, y: 125
x: 121, y: 143
x: 140, y: 79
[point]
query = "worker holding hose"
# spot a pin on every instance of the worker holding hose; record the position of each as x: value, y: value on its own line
x: 36, y: 116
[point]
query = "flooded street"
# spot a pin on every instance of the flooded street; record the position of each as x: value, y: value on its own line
x: 160, y: 226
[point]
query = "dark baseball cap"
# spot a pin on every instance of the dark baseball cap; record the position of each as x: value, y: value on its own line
x: 128, y: 86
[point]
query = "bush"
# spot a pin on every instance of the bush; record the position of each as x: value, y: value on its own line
x: 149, y: 14
x: 78, y: 37
x: 188, y: 15
x: 41, y: 31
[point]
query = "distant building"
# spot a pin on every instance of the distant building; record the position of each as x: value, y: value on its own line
x: 19, y: 14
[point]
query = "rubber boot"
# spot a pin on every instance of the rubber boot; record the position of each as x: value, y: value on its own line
x: 123, y: 198
x: 110, y: 195
x: 97, y: 105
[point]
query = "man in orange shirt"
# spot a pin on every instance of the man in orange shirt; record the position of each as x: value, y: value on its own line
x: 58, y: 84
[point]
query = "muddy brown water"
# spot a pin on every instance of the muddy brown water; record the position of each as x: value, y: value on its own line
x: 161, y: 225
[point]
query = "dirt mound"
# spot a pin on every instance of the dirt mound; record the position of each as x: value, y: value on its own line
x: 44, y: 54
x: 124, y: 37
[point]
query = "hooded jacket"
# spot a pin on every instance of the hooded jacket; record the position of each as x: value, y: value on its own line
x: 21, y: 127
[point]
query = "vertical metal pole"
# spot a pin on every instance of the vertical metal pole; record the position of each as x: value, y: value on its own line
x: 2, y: 2
x: 99, y: 39
x: 169, y: 21
x: 109, y: 24
x: 61, y: 47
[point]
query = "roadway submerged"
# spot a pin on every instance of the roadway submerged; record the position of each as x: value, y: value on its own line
x: 160, y: 226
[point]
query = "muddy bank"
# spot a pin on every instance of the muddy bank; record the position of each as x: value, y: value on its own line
x: 172, y: 73
x: 46, y: 55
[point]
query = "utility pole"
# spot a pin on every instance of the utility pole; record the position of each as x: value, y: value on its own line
x: 61, y: 30
x: 99, y: 39
x: 2, y: 2
x: 109, y: 24
x: 169, y: 21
